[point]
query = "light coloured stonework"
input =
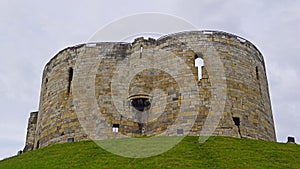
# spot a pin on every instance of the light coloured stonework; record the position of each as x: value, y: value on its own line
x: 67, y: 103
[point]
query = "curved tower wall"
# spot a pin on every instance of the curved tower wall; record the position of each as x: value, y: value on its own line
x: 247, y: 95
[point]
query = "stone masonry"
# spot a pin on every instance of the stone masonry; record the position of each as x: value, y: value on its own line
x: 31, y: 131
x: 146, y: 88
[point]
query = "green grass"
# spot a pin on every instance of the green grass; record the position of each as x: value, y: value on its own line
x: 216, y: 152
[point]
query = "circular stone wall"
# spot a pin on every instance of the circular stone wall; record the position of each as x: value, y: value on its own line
x: 88, y: 89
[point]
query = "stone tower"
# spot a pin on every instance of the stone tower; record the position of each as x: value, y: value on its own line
x: 147, y: 88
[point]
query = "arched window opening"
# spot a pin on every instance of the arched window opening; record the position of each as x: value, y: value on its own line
x: 199, y: 63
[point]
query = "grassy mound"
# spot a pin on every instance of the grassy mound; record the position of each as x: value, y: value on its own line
x: 216, y: 152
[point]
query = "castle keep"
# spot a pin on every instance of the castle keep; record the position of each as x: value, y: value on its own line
x: 152, y: 87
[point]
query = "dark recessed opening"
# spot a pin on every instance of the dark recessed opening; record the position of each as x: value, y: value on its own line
x: 291, y: 139
x: 140, y: 102
x: 70, y: 79
x: 71, y: 139
x: 236, y: 121
x: 141, y: 51
x: 175, y: 98
x: 199, y: 55
x: 116, y: 125
x: 38, y: 144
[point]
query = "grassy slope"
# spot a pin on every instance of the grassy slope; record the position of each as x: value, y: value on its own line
x: 217, y: 152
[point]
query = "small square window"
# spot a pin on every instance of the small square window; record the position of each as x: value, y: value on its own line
x: 179, y: 131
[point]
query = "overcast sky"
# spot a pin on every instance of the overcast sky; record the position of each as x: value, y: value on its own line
x: 32, y: 32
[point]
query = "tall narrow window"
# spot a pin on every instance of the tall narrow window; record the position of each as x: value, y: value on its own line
x: 199, y: 64
x: 38, y: 144
x: 70, y: 79
x: 46, y: 81
x: 141, y: 51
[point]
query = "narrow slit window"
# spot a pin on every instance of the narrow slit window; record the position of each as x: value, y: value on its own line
x: 46, y: 82
x: 141, y: 51
x: 70, y: 79
x: 199, y: 64
x: 38, y: 144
